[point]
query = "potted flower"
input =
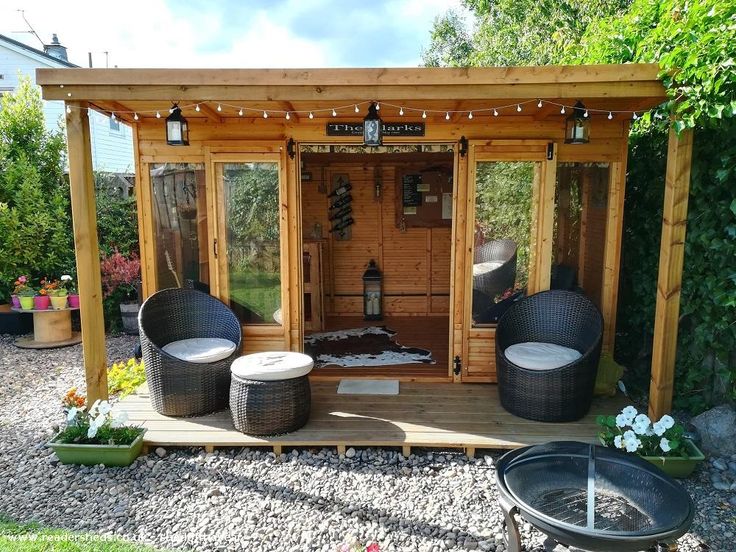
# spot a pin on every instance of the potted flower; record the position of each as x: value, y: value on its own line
x: 662, y: 442
x: 120, y: 279
x: 353, y: 545
x: 24, y: 293
x: 95, y: 436
x: 42, y: 301
x: 68, y: 284
x: 58, y: 295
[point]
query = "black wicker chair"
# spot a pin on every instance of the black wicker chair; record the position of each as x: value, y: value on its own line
x: 496, y: 281
x: 561, y: 394
x: 178, y: 387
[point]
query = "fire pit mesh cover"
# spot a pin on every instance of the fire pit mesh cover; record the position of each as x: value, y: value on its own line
x: 612, y: 512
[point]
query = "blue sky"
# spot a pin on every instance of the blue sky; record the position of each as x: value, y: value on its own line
x: 232, y: 33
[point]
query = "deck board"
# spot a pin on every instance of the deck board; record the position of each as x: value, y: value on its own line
x: 442, y: 415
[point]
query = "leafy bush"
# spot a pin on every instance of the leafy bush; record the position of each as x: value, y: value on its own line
x: 125, y: 377
x: 117, y: 219
x: 35, y: 222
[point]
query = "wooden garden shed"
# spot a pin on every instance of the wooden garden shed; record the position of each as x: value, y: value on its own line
x: 250, y: 208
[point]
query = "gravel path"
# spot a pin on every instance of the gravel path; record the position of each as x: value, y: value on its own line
x: 247, y: 499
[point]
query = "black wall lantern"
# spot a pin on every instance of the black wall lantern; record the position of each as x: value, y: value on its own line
x: 177, y: 129
x: 372, y: 292
x: 372, y: 131
x: 577, y: 128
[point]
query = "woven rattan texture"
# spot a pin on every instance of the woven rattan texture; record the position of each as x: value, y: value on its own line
x: 499, y: 280
x: 562, y: 394
x: 178, y: 387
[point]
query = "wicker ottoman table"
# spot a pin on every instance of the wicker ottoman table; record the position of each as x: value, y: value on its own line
x: 270, y: 393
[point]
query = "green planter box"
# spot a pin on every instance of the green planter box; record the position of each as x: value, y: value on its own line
x: 678, y: 466
x: 90, y: 455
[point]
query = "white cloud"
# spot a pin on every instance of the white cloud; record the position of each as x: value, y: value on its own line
x: 149, y: 33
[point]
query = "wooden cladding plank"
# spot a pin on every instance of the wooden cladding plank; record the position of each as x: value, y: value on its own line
x: 84, y: 215
x: 671, y: 258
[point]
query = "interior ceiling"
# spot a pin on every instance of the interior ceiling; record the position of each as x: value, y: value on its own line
x: 389, y: 110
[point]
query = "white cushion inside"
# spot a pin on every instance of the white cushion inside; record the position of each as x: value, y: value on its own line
x: 541, y: 356
x: 484, y: 268
x: 272, y: 366
x: 200, y: 350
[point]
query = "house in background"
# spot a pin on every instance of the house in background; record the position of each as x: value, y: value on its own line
x: 112, y: 140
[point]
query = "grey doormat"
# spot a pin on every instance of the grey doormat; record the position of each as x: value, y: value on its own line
x: 368, y: 387
x: 371, y: 346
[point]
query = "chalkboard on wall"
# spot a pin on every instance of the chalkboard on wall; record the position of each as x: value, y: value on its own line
x: 410, y: 195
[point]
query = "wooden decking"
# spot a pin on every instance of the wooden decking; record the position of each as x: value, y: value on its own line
x: 442, y: 415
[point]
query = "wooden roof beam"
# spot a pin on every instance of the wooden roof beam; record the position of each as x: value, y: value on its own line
x: 211, y: 114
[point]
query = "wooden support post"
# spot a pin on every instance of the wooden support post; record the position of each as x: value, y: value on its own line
x: 341, y: 449
x: 612, y: 251
x: 461, y: 254
x: 209, y: 448
x: 470, y: 452
x: 84, y: 215
x: 671, y: 257
x: 543, y: 210
x: 406, y: 451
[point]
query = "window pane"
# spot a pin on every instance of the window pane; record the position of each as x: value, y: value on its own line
x: 251, y: 193
x: 180, y: 224
x: 581, y: 208
x: 503, y: 221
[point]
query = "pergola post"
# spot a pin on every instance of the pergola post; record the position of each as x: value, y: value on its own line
x: 671, y: 258
x: 84, y: 216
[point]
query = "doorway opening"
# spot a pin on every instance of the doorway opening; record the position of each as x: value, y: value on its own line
x: 391, y: 205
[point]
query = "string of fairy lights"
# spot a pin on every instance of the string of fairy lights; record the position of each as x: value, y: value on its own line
x: 355, y: 108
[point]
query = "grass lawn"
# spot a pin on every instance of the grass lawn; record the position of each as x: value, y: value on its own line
x: 258, y: 291
x: 32, y: 537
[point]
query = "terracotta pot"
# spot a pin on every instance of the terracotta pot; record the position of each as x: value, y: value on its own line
x: 41, y: 302
x: 15, y: 301
x: 26, y: 302
x: 58, y: 302
x: 73, y: 301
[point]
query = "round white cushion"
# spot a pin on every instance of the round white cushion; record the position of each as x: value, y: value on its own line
x: 272, y: 366
x: 200, y: 350
x: 479, y: 269
x: 541, y: 356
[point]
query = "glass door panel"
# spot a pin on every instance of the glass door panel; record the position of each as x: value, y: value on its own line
x: 179, y: 208
x: 503, y: 227
x: 250, y: 195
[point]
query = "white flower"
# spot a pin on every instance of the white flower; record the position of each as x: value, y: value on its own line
x: 629, y: 413
x: 119, y: 420
x: 640, y: 428
x: 92, y: 431
x: 104, y: 408
x: 621, y: 421
x: 618, y: 442
x: 66, y: 278
x: 629, y: 435
x: 667, y: 421
x: 71, y: 414
x: 664, y: 444
x: 659, y: 428
x: 93, y: 408
x: 633, y: 445
x: 642, y: 419
x: 99, y: 421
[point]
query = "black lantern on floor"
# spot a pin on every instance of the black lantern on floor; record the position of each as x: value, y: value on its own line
x: 372, y: 292
x: 177, y: 129
x: 372, y: 127
x: 577, y: 128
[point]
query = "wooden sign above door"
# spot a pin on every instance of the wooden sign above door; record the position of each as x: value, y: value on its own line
x: 389, y: 129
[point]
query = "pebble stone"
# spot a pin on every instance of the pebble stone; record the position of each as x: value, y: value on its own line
x: 249, y: 499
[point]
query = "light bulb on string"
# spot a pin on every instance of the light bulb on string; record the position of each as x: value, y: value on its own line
x: 495, y: 113
x: 219, y: 107
x: 610, y: 115
x: 265, y: 115
x: 334, y: 113
x: 357, y: 109
x: 447, y: 116
x: 196, y: 108
x: 539, y: 104
x: 61, y: 86
x: 378, y: 106
x: 518, y: 108
x: 562, y: 111
x: 240, y: 112
x: 68, y: 94
x: 158, y: 114
x: 635, y: 116
x: 586, y: 114
x: 470, y: 114
x: 401, y: 111
x: 424, y: 114
x: 311, y: 115
x: 68, y: 109
x: 135, y: 116
x: 288, y: 116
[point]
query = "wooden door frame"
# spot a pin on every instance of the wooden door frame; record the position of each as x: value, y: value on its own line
x: 543, y: 152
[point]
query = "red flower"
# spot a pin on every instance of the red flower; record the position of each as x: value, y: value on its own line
x: 373, y: 547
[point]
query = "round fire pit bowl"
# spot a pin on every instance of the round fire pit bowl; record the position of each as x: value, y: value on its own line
x: 591, y: 497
